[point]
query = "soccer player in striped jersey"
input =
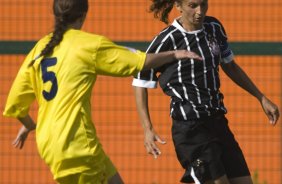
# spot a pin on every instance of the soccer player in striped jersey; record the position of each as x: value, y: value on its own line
x: 204, y: 144
x: 59, y: 72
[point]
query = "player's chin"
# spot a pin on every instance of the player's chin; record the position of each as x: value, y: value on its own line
x: 198, y: 21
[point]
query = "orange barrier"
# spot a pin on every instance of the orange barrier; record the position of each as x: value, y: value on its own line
x: 129, y: 20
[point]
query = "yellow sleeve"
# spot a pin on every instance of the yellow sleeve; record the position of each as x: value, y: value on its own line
x: 115, y: 60
x: 21, y: 94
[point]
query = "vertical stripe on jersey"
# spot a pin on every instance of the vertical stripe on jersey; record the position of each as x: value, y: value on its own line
x: 159, y: 48
x: 179, y: 61
x: 183, y: 86
x: 193, y: 81
x: 192, y: 70
x: 204, y: 60
x: 205, y: 72
x: 179, y: 78
x: 206, y: 34
x: 213, y: 29
x: 223, y: 34
x: 179, y: 96
x: 213, y: 62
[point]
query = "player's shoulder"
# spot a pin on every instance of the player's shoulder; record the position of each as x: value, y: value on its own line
x: 88, y: 40
x: 165, y: 31
x: 40, y: 45
x: 95, y: 37
x: 44, y: 40
x: 83, y: 35
x: 164, y: 34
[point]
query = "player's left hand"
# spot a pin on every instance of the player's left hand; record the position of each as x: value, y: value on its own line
x: 21, y: 137
x: 271, y: 110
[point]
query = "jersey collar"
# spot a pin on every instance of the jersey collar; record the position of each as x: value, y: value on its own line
x: 179, y: 27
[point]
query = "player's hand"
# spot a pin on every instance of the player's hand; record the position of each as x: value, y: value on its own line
x: 21, y: 137
x: 149, y: 142
x: 271, y: 110
x: 185, y: 54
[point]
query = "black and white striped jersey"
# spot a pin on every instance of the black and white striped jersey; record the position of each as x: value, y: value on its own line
x: 193, y: 85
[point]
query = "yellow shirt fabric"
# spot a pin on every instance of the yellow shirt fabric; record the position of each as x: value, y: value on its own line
x: 62, y: 85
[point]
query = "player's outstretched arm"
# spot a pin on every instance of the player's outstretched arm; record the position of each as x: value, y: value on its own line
x: 159, y: 59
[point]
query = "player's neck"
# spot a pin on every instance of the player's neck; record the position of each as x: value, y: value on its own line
x: 77, y: 24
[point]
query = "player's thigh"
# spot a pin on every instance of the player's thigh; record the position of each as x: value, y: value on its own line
x: 241, y: 180
x: 232, y: 155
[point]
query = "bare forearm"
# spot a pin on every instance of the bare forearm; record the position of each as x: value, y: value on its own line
x: 28, y: 122
x: 237, y: 75
x: 159, y: 59
x: 141, y: 97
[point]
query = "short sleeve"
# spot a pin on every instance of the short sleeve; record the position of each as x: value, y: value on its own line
x: 21, y: 94
x: 115, y: 60
x: 148, y: 78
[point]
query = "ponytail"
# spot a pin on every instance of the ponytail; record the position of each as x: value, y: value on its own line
x: 161, y: 9
x: 60, y: 29
x: 66, y: 12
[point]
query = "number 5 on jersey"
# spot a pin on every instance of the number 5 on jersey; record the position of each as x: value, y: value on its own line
x: 49, y: 76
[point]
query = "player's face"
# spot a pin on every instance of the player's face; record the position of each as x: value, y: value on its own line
x: 193, y: 12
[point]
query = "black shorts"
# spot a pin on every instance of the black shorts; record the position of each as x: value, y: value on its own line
x: 208, y: 150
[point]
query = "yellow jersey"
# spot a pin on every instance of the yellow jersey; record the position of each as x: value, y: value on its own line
x: 62, y: 84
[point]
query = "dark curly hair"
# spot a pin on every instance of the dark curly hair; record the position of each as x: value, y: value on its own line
x: 162, y: 8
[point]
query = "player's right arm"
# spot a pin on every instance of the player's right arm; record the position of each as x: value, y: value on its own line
x: 162, y: 58
x: 115, y: 60
x: 150, y: 136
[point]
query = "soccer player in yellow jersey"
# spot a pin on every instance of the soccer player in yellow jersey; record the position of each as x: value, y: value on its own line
x: 59, y: 72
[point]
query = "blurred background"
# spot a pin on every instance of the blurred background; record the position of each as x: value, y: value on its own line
x: 255, y: 35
